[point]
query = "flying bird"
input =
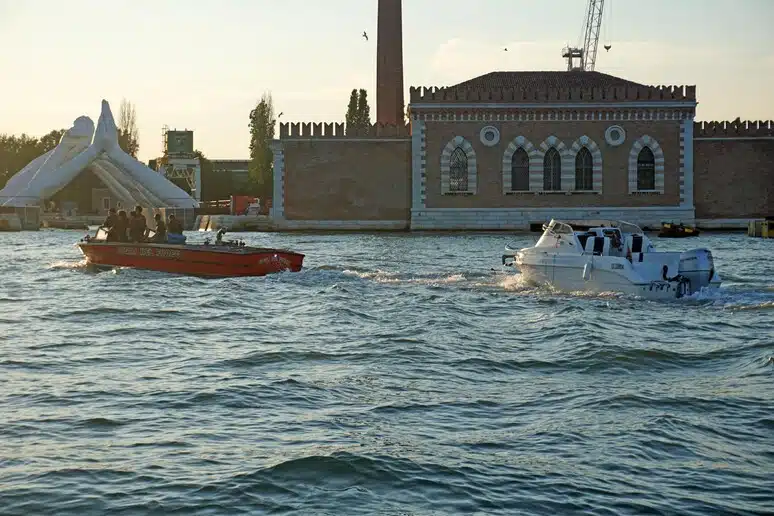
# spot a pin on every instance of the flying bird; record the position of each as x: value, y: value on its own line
x: 506, y: 49
x: 365, y: 35
x: 608, y: 47
x: 280, y: 114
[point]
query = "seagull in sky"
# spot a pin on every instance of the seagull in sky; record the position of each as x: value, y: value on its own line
x: 365, y: 35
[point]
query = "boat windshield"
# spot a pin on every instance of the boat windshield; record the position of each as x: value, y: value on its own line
x: 628, y: 227
x: 560, y: 228
x: 101, y: 234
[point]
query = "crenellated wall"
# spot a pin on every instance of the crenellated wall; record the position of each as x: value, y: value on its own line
x: 328, y: 178
x: 735, y: 129
x: 423, y: 95
x: 335, y: 130
x: 734, y: 169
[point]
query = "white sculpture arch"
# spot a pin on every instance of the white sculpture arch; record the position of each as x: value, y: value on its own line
x: 81, y: 147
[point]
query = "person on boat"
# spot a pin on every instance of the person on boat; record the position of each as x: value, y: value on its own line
x: 117, y: 231
x: 161, y: 230
x: 110, y: 220
x: 137, y: 225
x: 174, y: 226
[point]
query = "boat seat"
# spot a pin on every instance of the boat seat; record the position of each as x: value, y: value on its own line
x: 633, y: 247
x: 598, y: 246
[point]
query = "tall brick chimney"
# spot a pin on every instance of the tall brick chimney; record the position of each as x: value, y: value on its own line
x: 389, y: 63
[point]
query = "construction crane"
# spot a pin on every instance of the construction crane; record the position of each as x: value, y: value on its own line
x: 587, y: 54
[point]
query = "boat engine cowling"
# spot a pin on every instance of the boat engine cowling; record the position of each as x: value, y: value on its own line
x: 698, y: 267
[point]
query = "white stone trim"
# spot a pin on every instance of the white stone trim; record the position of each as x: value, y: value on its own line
x: 552, y: 105
x: 721, y: 138
x: 596, y: 156
x: 493, y: 219
x: 342, y: 225
x: 486, y: 129
x: 327, y: 139
x: 658, y: 153
x: 520, y: 142
x: 278, y: 200
x: 458, y: 141
x: 686, y: 164
x: 609, y: 139
x: 418, y: 164
x: 536, y: 168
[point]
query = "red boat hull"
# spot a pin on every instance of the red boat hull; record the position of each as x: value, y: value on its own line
x: 195, y: 260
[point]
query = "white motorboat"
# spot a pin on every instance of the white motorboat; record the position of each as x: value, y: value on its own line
x: 611, y: 256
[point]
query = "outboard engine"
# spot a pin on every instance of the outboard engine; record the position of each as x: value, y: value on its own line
x: 698, y: 267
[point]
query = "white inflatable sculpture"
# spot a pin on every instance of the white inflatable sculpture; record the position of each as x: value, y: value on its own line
x: 81, y: 147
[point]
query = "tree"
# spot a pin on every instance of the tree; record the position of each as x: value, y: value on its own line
x: 363, y: 111
x: 351, y: 118
x: 358, y: 111
x: 261, y: 125
x: 128, y: 134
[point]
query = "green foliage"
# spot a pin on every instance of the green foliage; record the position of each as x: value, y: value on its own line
x: 363, y: 110
x: 358, y: 111
x: 128, y: 134
x: 261, y: 125
x: 16, y: 152
x: 351, y: 118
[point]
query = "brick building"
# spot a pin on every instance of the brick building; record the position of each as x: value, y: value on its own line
x: 510, y: 149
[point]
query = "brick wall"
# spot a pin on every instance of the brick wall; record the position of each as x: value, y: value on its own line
x: 615, y: 162
x: 330, y: 179
x: 733, y: 178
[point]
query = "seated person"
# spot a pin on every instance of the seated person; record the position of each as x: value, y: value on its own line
x: 161, y: 229
x: 174, y: 225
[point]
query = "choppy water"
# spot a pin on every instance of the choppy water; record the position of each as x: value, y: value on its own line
x: 397, y: 374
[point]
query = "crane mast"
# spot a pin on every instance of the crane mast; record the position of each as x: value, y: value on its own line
x: 587, y: 54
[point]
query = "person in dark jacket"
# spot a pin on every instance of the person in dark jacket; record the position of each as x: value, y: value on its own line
x: 111, y: 219
x: 174, y: 226
x: 161, y: 229
x: 117, y: 231
x: 137, y: 225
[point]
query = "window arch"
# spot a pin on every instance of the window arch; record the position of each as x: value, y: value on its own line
x: 552, y: 170
x: 646, y: 166
x: 584, y: 170
x: 458, y: 167
x: 458, y: 171
x: 520, y: 171
x: 646, y: 170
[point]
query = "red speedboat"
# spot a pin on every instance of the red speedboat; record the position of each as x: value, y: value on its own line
x: 220, y: 259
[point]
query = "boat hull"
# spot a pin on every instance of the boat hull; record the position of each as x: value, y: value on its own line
x: 569, y: 274
x: 194, y: 260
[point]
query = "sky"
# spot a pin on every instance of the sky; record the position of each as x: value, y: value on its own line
x: 204, y: 64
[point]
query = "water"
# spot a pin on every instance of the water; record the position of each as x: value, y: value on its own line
x: 397, y: 374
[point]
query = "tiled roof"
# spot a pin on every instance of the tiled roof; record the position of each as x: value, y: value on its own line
x: 543, y: 80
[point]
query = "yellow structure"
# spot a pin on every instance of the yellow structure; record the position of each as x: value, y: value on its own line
x: 760, y: 228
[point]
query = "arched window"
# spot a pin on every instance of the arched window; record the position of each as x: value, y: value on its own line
x: 552, y: 170
x: 646, y: 170
x: 520, y: 171
x: 458, y: 171
x: 584, y: 167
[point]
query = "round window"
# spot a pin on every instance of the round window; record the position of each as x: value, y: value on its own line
x: 490, y: 136
x: 615, y: 135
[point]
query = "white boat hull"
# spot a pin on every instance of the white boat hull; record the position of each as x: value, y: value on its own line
x: 607, y: 259
x: 571, y: 278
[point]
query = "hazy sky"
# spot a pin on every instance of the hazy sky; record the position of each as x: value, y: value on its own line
x: 203, y: 64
